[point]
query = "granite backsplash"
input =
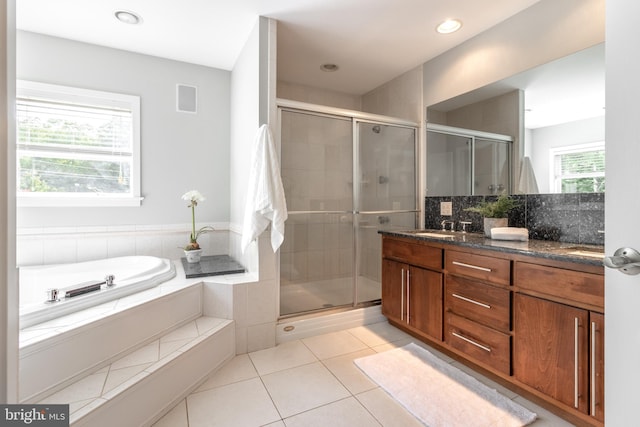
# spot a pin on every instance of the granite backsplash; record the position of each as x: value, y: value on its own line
x: 571, y: 218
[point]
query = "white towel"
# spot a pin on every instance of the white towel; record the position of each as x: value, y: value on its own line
x: 265, y: 196
x: 528, y: 183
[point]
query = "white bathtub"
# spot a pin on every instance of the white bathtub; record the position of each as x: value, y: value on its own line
x: 132, y: 274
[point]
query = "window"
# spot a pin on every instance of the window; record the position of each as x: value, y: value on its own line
x: 579, y: 168
x: 77, y: 147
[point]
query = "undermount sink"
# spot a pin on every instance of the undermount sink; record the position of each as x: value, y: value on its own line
x: 586, y: 251
x: 434, y: 235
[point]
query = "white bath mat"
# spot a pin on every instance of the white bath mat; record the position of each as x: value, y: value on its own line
x: 439, y: 394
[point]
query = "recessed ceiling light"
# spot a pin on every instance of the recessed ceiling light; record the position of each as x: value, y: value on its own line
x: 329, y: 68
x: 128, y: 17
x: 449, y: 26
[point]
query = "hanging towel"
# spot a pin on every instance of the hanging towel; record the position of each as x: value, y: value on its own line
x: 528, y: 183
x: 265, y: 196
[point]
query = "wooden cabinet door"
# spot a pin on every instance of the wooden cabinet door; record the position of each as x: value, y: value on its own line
x: 551, y: 349
x: 393, y: 289
x: 596, y: 403
x: 424, y: 296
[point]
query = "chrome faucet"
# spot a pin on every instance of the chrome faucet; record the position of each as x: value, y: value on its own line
x: 444, y: 225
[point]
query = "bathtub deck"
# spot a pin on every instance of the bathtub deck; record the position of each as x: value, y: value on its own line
x: 151, y: 377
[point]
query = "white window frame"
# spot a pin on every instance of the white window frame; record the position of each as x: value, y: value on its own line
x: 45, y: 91
x: 556, y: 184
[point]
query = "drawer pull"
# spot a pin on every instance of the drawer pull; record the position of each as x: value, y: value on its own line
x: 593, y: 368
x: 485, y: 348
x: 402, y: 294
x: 576, y: 360
x: 475, y: 267
x: 408, y: 296
x: 471, y: 301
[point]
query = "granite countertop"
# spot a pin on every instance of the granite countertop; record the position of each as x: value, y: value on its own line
x: 560, y: 251
x: 212, y: 265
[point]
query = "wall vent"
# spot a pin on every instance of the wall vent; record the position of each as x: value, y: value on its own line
x: 186, y: 99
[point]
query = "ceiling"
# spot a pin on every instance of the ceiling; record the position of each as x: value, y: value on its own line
x: 372, y: 41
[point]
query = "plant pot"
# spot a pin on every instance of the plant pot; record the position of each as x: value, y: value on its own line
x: 490, y: 223
x: 193, y: 256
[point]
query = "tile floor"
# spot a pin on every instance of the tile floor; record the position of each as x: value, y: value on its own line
x: 311, y: 382
x: 106, y: 383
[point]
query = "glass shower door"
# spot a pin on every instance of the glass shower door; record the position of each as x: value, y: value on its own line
x: 317, y: 256
x: 331, y: 254
x: 448, y: 164
x: 491, y: 166
x: 385, y: 196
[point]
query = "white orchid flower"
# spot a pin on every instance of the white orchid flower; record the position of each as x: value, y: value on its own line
x: 194, y: 197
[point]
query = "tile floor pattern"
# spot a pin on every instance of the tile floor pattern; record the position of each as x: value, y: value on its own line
x: 106, y: 383
x: 311, y: 382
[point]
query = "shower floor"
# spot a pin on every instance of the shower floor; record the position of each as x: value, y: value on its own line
x: 325, y: 294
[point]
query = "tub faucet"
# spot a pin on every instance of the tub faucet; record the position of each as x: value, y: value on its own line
x: 108, y: 279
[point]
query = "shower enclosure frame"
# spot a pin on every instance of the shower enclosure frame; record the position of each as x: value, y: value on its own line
x: 474, y: 135
x: 356, y: 118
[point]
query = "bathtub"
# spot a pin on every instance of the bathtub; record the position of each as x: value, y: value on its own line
x: 131, y: 274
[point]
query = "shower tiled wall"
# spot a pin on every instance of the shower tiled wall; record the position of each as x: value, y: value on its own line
x: 571, y: 218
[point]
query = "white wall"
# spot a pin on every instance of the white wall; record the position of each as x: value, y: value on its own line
x: 311, y: 95
x: 179, y: 151
x: 542, y: 140
x: 524, y: 41
x: 252, y: 104
x: 245, y: 121
x: 400, y: 97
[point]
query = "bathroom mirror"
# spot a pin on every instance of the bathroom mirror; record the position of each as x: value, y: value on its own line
x: 555, y: 114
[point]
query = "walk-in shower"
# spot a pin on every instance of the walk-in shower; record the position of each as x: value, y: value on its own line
x: 346, y: 175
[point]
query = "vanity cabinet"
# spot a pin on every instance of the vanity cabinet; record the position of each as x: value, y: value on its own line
x: 536, y: 323
x: 559, y: 335
x: 477, y: 307
x: 477, y: 321
x: 551, y: 350
x: 412, y: 294
x: 596, y: 366
x: 486, y: 268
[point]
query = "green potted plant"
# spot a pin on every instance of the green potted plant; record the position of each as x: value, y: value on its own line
x: 495, y: 213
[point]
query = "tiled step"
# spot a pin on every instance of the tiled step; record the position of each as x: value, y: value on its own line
x: 71, y: 347
x: 135, y: 389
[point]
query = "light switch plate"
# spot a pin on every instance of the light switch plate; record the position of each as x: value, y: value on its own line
x: 446, y: 208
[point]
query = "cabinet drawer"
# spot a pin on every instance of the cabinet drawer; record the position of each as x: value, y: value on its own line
x: 489, y: 269
x: 412, y: 253
x: 479, y: 342
x: 574, y: 286
x: 485, y: 304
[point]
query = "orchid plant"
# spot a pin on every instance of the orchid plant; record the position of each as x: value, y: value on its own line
x: 194, y: 197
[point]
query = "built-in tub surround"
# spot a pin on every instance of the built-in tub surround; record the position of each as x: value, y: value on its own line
x: 42, y: 288
x: 87, y: 339
x: 569, y: 218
